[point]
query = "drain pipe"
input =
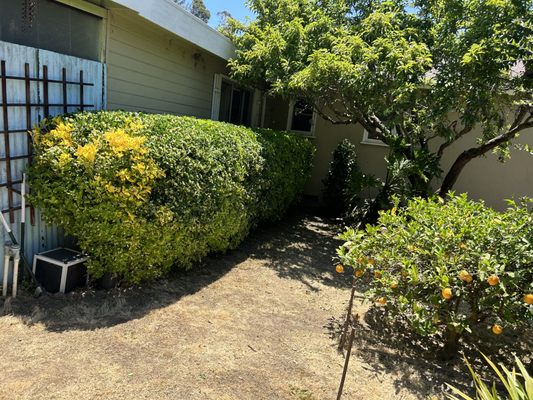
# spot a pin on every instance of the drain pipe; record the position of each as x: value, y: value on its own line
x: 11, y: 250
x: 39, y: 290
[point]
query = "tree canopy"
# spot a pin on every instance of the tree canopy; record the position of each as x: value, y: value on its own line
x: 199, y: 10
x: 419, y: 75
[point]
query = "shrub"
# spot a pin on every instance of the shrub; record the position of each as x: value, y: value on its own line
x: 342, y: 167
x: 446, y: 268
x: 283, y: 152
x: 344, y: 184
x: 143, y: 192
x: 517, y: 384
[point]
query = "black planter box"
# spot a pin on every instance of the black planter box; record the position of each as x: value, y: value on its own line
x: 60, y: 270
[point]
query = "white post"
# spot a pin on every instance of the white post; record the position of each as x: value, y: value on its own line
x: 15, y: 276
x: 6, y: 272
x: 16, y: 259
x: 23, y: 200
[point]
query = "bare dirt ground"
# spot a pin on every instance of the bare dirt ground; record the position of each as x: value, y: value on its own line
x: 260, y: 322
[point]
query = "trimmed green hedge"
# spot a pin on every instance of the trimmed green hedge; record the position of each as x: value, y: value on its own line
x: 144, y: 192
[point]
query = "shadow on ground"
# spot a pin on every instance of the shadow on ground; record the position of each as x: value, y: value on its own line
x: 300, y: 248
x: 391, y: 348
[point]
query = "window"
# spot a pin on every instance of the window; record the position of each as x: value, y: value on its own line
x: 53, y: 26
x: 369, y: 138
x: 231, y: 102
x: 301, y: 118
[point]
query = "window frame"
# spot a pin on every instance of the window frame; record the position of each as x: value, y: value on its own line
x: 290, y: 115
x: 372, y: 142
x: 217, y: 96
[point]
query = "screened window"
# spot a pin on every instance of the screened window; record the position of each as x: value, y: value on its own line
x: 52, y: 26
x: 371, y: 138
x: 301, y: 118
x: 235, y: 104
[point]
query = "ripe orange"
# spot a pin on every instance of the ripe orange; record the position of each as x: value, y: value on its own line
x: 528, y: 298
x: 377, y: 274
x: 497, y: 329
x: 339, y: 268
x: 465, y: 276
x: 359, y: 273
x: 371, y: 261
x: 447, y: 293
x: 493, y: 280
x: 381, y: 301
x: 394, y: 285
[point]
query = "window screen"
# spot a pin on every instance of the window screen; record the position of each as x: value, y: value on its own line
x: 235, y: 104
x: 302, y: 117
x: 372, y: 136
x: 52, y: 26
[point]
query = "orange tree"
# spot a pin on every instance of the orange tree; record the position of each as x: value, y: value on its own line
x: 448, y: 267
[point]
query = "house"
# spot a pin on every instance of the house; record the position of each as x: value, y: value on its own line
x: 61, y: 56
x: 152, y: 55
x: 483, y: 178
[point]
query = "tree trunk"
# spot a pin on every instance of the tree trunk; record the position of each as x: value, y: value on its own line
x: 468, y: 155
x: 451, y: 344
x: 453, y: 174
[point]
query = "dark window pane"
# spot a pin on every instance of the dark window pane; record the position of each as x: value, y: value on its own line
x: 225, y: 102
x: 236, y: 107
x: 235, y: 104
x: 247, y: 108
x: 55, y: 27
x: 302, y: 117
x: 372, y: 135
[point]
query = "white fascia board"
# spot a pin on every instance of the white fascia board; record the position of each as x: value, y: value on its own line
x: 182, y: 23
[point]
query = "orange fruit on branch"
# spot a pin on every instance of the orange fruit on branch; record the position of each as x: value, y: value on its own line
x: 493, y: 280
x: 497, y: 329
x: 447, y: 293
x: 339, y: 268
x: 528, y: 298
x: 394, y: 285
x: 465, y: 276
x: 381, y: 301
x: 359, y: 273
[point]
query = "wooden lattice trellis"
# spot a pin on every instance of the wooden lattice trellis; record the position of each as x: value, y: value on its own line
x: 43, y: 84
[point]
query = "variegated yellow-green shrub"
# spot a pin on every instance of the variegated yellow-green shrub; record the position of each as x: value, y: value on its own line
x: 142, y: 193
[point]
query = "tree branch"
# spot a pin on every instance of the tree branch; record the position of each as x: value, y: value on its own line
x: 332, y: 120
x: 457, y: 136
x: 466, y: 156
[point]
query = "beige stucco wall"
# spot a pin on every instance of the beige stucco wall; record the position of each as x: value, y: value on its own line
x: 326, y: 139
x: 483, y: 178
x: 152, y: 70
x: 487, y: 178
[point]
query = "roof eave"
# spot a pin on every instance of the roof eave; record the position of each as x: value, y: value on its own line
x: 175, y: 19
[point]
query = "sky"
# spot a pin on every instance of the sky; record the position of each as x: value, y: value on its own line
x: 235, y: 8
